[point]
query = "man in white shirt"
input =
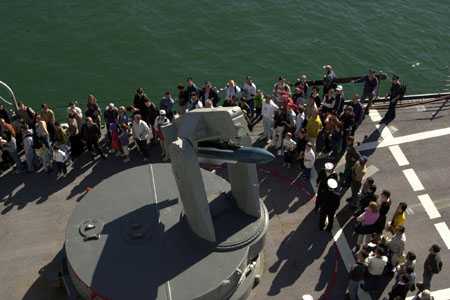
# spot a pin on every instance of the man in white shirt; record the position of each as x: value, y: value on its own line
x: 142, y: 134
x: 232, y: 90
x: 309, y: 158
x: 249, y: 91
x: 375, y: 267
x: 268, y: 111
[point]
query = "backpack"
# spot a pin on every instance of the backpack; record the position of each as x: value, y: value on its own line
x: 402, y: 90
x: 439, y: 267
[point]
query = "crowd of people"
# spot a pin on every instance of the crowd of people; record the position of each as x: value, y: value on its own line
x: 379, y: 249
x: 301, y: 123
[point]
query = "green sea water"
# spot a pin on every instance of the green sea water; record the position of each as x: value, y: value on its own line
x: 56, y: 51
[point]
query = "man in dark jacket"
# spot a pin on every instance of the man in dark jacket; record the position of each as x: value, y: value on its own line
x: 191, y: 88
x: 182, y: 98
x: 167, y: 103
x: 395, y: 94
x: 4, y: 114
x: 139, y: 98
x: 149, y: 112
x: 366, y: 198
x: 358, y: 110
x: 351, y: 157
x: 370, y: 89
x: 329, y: 205
x: 400, y: 288
x: 91, y: 135
x: 356, y: 276
x: 432, y: 265
x: 209, y: 92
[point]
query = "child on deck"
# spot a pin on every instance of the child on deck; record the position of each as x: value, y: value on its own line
x: 59, y: 158
x: 43, y: 153
x: 124, y: 141
x: 115, y: 142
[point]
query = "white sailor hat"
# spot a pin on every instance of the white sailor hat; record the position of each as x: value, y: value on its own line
x: 332, y: 183
x: 162, y: 112
x: 329, y: 166
x: 339, y: 88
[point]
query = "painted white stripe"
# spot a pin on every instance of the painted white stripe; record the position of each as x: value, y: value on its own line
x: 386, y: 134
x: 374, y: 115
x: 393, y: 129
x: 339, y: 237
x: 444, y: 232
x: 421, y: 108
x: 417, y: 136
x: 437, y: 295
x: 429, y: 206
x: 168, y: 288
x: 168, y: 291
x: 413, y: 180
x: 154, y: 186
x: 346, y: 254
x: 399, y: 156
x: 386, y: 142
x: 344, y: 248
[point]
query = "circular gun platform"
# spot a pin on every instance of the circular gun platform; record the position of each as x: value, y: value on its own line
x: 128, y: 239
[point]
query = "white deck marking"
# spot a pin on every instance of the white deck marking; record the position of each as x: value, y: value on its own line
x: 413, y: 180
x: 444, y: 232
x: 385, y: 132
x: 344, y: 248
x: 429, y: 206
x: 374, y: 115
x: 399, y: 156
x: 346, y: 254
x: 418, y: 136
x: 421, y: 108
x: 154, y: 186
x: 168, y: 288
x: 393, y: 129
x: 437, y: 295
x: 415, y: 137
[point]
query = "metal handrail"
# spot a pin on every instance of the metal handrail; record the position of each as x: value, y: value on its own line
x: 16, y: 107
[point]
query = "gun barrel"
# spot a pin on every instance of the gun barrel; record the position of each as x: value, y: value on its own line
x: 250, y: 155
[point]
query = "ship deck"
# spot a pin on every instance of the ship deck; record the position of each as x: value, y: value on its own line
x: 409, y: 157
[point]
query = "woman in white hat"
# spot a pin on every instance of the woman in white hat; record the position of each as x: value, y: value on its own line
x: 161, y: 121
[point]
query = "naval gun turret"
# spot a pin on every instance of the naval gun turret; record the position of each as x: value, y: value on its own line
x: 174, y: 231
